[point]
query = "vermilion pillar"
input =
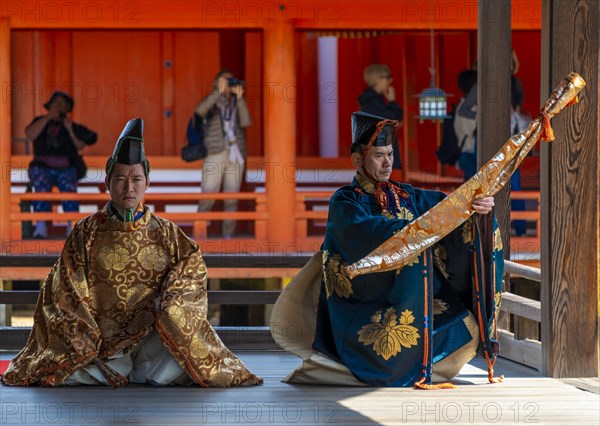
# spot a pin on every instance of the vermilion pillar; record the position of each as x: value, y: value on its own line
x: 5, y: 132
x: 279, y: 97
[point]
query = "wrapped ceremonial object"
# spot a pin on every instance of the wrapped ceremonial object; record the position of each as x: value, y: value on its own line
x: 454, y: 210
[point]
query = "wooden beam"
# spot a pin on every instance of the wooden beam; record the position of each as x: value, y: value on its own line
x: 306, y: 14
x: 23, y: 273
x: 570, y: 169
x: 234, y: 246
x: 38, y: 274
x: 521, y: 306
x: 493, y: 99
x: 215, y: 297
x: 524, y: 271
x: 235, y: 338
x: 36, y: 267
x: 528, y: 352
x: 222, y: 260
x: 328, y: 167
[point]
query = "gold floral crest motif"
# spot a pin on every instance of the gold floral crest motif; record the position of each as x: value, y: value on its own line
x: 498, y: 240
x: 439, y: 306
x: 334, y: 276
x: 497, y: 302
x: 468, y: 235
x: 439, y: 259
x: 114, y: 256
x: 390, y: 333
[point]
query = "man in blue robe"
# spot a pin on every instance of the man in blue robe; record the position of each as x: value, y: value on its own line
x: 398, y: 328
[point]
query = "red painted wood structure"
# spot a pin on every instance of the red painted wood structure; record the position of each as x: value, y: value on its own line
x: 156, y: 60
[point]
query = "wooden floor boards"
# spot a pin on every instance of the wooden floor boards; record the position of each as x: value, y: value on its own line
x: 525, y: 397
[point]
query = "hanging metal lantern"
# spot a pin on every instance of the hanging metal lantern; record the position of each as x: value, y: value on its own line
x: 432, y: 101
x: 433, y: 104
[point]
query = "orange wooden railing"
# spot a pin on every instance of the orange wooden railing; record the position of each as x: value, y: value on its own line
x: 198, y: 220
x: 310, y: 217
x: 528, y: 244
x: 525, y: 249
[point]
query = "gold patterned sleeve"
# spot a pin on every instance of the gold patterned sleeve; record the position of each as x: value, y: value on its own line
x: 65, y: 335
x: 183, y: 326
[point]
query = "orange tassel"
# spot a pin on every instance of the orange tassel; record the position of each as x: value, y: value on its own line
x: 424, y: 386
x: 491, y: 377
x: 547, y: 132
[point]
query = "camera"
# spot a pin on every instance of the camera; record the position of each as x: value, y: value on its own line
x: 232, y: 82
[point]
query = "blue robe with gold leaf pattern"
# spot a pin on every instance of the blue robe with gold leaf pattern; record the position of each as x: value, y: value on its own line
x: 376, y: 323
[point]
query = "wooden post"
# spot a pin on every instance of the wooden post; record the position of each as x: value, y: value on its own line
x: 279, y: 97
x: 5, y: 132
x: 261, y: 225
x: 570, y: 170
x: 494, y: 57
x: 168, y: 94
x: 409, y: 75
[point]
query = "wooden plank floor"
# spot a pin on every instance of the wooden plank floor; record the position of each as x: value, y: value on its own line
x: 525, y: 397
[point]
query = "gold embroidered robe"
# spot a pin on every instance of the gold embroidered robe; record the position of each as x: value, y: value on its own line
x: 114, y: 283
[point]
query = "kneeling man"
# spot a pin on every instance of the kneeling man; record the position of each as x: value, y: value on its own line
x: 126, y: 301
x: 398, y: 328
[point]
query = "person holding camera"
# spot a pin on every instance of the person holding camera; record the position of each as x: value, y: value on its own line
x: 57, y: 141
x: 227, y: 115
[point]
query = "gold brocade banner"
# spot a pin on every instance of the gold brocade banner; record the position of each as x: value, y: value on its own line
x: 451, y: 212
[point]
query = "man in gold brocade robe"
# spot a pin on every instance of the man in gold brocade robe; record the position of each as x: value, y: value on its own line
x: 127, y: 299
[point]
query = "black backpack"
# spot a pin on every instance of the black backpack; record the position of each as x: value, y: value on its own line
x: 195, y: 148
x: 450, y: 149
